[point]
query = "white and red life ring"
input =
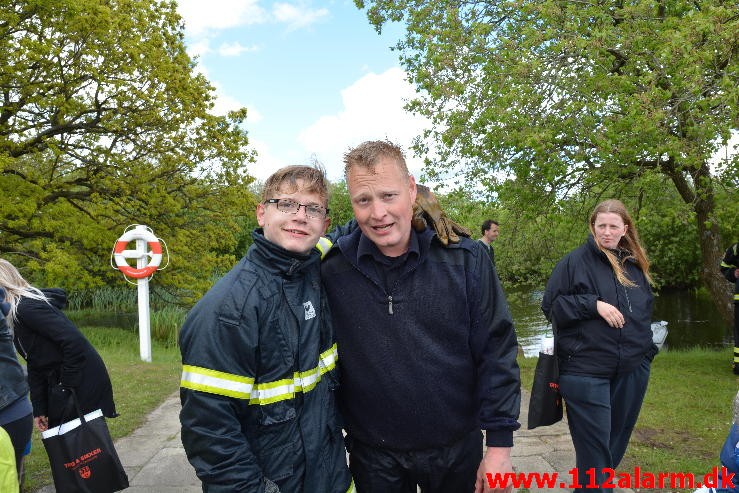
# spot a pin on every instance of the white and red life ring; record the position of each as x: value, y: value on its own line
x: 120, y: 253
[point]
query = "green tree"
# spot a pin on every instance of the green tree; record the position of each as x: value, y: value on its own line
x: 567, y: 96
x: 104, y: 123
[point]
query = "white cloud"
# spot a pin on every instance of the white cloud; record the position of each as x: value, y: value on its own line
x: 235, y: 49
x: 201, y: 16
x: 266, y: 162
x: 373, y: 109
x: 198, y: 48
x: 297, y: 16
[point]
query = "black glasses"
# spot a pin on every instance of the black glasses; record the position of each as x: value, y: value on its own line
x: 291, y: 207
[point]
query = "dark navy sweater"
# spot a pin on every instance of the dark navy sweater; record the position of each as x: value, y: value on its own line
x: 429, y: 356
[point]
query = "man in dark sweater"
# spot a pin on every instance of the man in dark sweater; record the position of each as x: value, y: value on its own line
x: 427, y: 345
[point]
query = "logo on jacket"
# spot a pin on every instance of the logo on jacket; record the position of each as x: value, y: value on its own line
x: 310, y: 312
x: 85, y: 472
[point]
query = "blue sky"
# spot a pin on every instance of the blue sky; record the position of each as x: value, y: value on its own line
x: 316, y: 77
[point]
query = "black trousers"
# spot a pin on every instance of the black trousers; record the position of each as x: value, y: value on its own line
x: 20, y: 432
x: 736, y: 333
x: 446, y: 469
x: 601, y: 413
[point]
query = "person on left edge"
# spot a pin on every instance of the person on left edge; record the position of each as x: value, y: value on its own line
x: 258, y: 353
x: 599, y: 300
x: 427, y: 344
x: 730, y: 270
x: 16, y: 415
x: 58, y: 355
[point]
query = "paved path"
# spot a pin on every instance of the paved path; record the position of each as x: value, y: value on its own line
x: 156, y: 463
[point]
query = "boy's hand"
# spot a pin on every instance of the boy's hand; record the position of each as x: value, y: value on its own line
x: 427, y: 212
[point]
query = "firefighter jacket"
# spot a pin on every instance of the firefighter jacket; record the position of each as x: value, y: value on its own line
x: 729, y: 264
x: 586, y: 344
x: 258, y: 379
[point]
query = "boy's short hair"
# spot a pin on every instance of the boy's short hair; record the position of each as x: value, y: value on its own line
x: 367, y: 154
x: 487, y: 224
x: 314, y: 181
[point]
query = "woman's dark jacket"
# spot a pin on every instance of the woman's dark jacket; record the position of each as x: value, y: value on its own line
x: 12, y: 380
x: 59, y: 357
x: 586, y: 344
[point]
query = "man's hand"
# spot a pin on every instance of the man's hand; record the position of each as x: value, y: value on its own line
x: 427, y: 212
x: 496, y: 460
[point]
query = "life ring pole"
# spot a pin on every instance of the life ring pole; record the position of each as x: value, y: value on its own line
x: 143, y: 295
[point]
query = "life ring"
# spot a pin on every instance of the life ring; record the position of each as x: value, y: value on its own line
x: 155, y: 254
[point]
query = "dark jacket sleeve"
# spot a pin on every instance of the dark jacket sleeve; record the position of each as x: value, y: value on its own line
x: 212, y: 425
x: 560, y: 305
x: 495, y: 347
x: 730, y: 262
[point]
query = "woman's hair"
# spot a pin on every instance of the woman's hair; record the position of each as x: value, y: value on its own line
x: 16, y: 288
x: 629, y: 243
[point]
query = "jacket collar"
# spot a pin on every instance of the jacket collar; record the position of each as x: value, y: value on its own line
x: 276, y: 259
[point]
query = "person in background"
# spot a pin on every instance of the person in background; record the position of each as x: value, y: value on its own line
x: 730, y: 270
x: 59, y: 358
x: 490, y: 230
x: 599, y: 301
x: 259, y: 356
x: 427, y: 345
x: 16, y: 415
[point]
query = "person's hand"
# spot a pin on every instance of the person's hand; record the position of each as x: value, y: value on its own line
x: 497, y: 460
x: 610, y: 314
x: 427, y: 212
x: 736, y: 273
x: 41, y: 422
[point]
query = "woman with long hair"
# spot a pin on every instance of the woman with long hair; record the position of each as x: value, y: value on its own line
x: 599, y: 300
x: 59, y: 358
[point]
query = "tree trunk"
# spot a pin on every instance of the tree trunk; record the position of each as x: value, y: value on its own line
x: 712, y: 252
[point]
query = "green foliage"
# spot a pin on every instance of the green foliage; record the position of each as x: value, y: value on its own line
x: 552, y: 99
x: 105, y: 124
x: 340, y: 205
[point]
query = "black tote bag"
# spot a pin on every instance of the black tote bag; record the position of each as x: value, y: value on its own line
x: 82, y: 456
x: 545, y: 405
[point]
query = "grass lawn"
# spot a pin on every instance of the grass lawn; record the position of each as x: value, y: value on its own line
x: 686, y: 415
x: 138, y: 388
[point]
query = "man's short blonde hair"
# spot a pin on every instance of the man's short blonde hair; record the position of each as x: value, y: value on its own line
x: 367, y: 154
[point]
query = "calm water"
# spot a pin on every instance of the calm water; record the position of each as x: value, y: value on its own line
x: 692, y: 319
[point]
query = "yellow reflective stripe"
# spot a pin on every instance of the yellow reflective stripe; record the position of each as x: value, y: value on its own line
x: 724, y: 264
x: 736, y: 297
x: 324, y: 245
x: 351, y: 489
x: 328, y: 359
x: 227, y: 384
x: 271, y: 392
x: 216, y: 382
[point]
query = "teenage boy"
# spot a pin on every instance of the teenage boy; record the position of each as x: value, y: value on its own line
x: 259, y: 357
